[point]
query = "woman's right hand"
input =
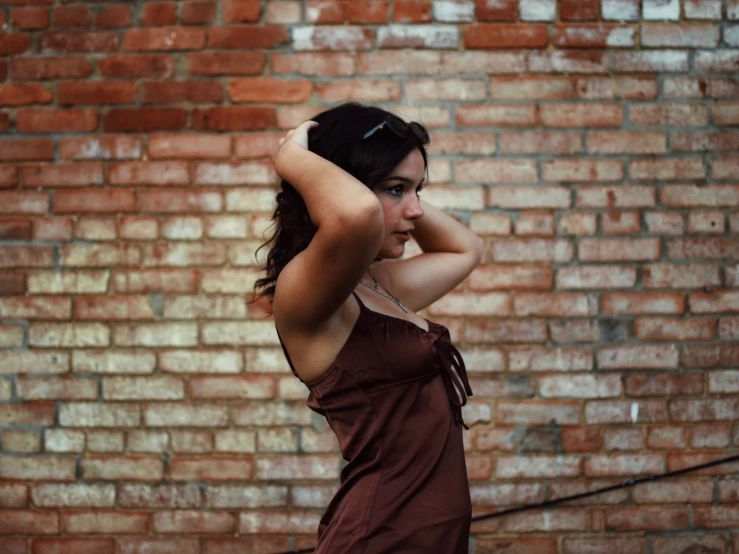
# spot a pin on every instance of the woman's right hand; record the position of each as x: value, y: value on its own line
x: 297, y: 136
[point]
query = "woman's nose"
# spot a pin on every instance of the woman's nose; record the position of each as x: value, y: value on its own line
x: 413, y: 209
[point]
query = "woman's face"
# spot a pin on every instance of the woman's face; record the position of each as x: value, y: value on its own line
x: 398, y: 194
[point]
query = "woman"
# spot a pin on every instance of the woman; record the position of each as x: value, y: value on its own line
x: 389, y: 382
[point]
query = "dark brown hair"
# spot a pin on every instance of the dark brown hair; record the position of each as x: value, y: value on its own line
x: 338, y: 138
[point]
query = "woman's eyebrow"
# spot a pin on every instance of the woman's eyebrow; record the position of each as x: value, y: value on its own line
x: 404, y: 179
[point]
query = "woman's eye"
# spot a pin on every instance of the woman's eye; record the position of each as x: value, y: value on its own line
x: 396, y: 191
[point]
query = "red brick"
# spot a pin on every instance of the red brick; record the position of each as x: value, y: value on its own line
x: 198, y: 13
x: 517, y: 545
x: 160, y: 13
x: 211, y: 468
x: 234, y: 118
x: 16, y: 203
x: 706, y: 248
x: 579, y: 10
x: 581, y: 439
x: 13, y: 496
x: 412, y: 11
x: 149, y: 173
x: 661, y: 518
x: 71, y: 93
x: 246, y: 36
x: 65, y: 545
x: 137, y: 66
x: 664, y: 384
x: 481, y: 35
x: 262, y: 89
x: 565, y: 115
x: 49, y: 67
x: 718, y: 409
x: 3, y: 70
x: 368, y: 11
x: 29, y: 522
x: 598, y: 545
x: 29, y: 413
x: 12, y: 284
x: 15, y: 229
x: 25, y: 256
x: 13, y: 546
x: 24, y: 93
x: 227, y: 63
x: 164, y: 38
x: 8, y: 176
x: 241, y: 11
x: 145, y: 119
x: 71, y: 16
x: 197, y: 92
x: 114, y: 16
x: 684, y: 544
x: 14, y: 44
x: 94, y: 201
x: 80, y: 41
x: 33, y: 120
x: 501, y: 10
x: 191, y: 201
x: 240, y: 545
x: 29, y: 19
x: 62, y: 174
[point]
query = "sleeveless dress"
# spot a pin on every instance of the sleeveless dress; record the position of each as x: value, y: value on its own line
x: 393, y: 397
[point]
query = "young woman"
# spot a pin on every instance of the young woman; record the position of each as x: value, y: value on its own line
x: 389, y: 382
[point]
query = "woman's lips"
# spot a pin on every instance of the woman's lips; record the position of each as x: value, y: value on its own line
x: 404, y: 236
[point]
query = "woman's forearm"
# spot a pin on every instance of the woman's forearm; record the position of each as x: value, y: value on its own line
x: 330, y: 193
x: 437, y: 231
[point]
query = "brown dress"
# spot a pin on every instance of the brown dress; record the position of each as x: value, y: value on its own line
x: 393, y: 398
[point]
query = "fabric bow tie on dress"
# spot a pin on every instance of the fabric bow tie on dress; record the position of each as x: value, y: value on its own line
x: 454, y: 375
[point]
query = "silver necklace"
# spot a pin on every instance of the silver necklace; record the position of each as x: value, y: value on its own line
x: 376, y: 288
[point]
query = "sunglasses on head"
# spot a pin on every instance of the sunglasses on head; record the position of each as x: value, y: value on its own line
x: 400, y: 128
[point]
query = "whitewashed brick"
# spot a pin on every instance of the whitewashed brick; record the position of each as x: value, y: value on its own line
x: 147, y: 441
x: 537, y: 10
x: 454, y: 11
x: 201, y: 361
x: 76, y: 495
x: 62, y: 440
x: 235, y: 441
x: 232, y: 496
x: 156, y: 334
x: 661, y: 9
x: 620, y: 10
x: 68, y: 282
x: 105, y: 441
x: 113, y: 361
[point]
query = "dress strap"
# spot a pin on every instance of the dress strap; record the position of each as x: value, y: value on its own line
x: 359, y: 301
x: 287, y: 356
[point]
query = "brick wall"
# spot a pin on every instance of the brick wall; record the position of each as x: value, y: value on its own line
x: 145, y: 408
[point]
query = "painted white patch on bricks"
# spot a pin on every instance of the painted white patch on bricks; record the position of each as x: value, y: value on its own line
x: 703, y: 9
x: 431, y: 36
x: 620, y: 10
x: 453, y: 11
x: 731, y: 35
x: 661, y: 9
x: 312, y: 13
x: 538, y: 10
x: 621, y: 37
x: 634, y: 412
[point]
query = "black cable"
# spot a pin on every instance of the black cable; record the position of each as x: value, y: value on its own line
x: 629, y: 483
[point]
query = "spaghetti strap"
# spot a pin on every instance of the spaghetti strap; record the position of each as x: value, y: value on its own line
x: 287, y: 356
x: 359, y: 301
